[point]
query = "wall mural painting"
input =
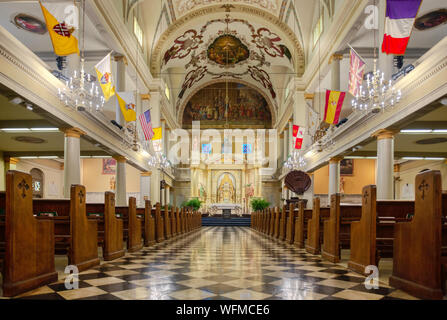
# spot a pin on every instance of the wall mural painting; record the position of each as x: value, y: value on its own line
x: 108, y: 166
x: 247, y: 108
x: 228, y: 50
x: 431, y: 20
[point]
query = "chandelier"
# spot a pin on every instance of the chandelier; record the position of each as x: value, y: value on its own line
x: 295, y: 161
x: 377, y: 94
x: 159, y: 161
x: 80, y: 91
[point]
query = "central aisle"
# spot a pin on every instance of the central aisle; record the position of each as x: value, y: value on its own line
x: 218, y: 263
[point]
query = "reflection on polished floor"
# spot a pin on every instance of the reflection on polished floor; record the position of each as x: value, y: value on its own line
x: 218, y: 263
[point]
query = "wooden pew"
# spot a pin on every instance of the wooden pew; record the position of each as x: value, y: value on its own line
x: 159, y: 224
x: 271, y: 221
x: 372, y: 236
x: 29, y: 241
x: 148, y: 227
x: 301, y: 225
x: 132, y: 225
x: 282, y: 224
x: 173, y: 222
x: 110, y: 227
x: 315, y: 227
x: 179, y: 221
x: 276, y: 223
x: 290, y: 224
x: 336, y: 234
x: 167, y: 223
x: 419, y: 262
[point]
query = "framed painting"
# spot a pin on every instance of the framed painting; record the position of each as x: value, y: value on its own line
x: 108, y: 166
x: 347, y: 167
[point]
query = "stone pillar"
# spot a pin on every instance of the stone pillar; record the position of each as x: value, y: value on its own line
x: 120, y: 85
x: 11, y: 163
x: 156, y: 123
x: 309, y: 97
x: 385, y: 62
x: 385, y: 164
x: 163, y: 139
x: 280, y: 147
x: 72, y: 158
x: 259, y: 173
x: 121, y: 194
x: 167, y: 195
x: 286, y: 145
x: 309, y: 194
x: 335, y: 71
x: 208, y: 187
x: 334, y: 175
x: 290, y: 140
x: 145, y: 187
x: 256, y: 186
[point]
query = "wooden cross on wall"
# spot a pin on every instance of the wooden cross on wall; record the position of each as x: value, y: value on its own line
x: 423, y: 187
x: 366, y: 195
x: 81, y: 196
x: 24, y: 187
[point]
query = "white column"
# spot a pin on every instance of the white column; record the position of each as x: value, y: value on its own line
x: 167, y: 194
x: 309, y: 97
x: 163, y: 139
x: 286, y: 145
x: 385, y: 164
x: 156, y: 123
x: 334, y: 175
x: 72, y: 159
x: 208, y: 186
x: 309, y: 194
x: 121, y: 193
x: 243, y: 183
x: 259, y: 170
x: 145, y: 187
x: 290, y: 140
x: 120, y: 85
x: 335, y: 71
x: 385, y: 61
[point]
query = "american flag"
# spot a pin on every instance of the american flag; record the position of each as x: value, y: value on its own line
x: 146, y: 125
x: 356, y: 73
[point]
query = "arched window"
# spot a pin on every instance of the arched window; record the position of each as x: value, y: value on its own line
x: 37, y: 176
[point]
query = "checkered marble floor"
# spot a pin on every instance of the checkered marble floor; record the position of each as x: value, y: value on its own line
x: 226, y: 263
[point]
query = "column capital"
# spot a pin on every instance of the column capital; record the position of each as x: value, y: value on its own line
x: 336, y: 159
x: 119, y: 159
x: 11, y: 160
x: 146, y: 97
x: 384, y: 134
x: 73, y: 132
x: 146, y: 174
x: 397, y: 168
x: 281, y: 135
x: 309, y: 96
x: 335, y: 57
x: 121, y: 58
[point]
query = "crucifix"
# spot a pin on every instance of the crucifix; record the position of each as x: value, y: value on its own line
x: 81, y: 196
x: 24, y: 187
x: 365, y: 196
x: 423, y: 187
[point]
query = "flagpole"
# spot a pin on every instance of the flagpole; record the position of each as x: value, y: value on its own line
x: 357, y: 54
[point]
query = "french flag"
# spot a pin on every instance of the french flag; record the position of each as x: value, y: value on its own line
x: 400, y: 16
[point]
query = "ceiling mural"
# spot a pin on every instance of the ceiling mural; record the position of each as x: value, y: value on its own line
x: 247, y: 108
x: 228, y: 48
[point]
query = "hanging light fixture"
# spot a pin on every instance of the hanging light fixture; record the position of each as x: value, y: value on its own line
x: 379, y: 93
x: 295, y: 161
x: 81, y: 91
x: 159, y: 161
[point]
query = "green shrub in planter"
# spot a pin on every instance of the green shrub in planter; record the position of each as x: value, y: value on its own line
x: 193, y: 203
x: 259, y: 204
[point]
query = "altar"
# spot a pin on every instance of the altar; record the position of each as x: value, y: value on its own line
x: 221, y: 208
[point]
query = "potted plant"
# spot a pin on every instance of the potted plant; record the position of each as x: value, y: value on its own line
x: 259, y: 204
x: 195, y: 204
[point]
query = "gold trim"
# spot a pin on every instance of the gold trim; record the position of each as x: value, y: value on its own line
x: 145, y: 97
x: 73, y: 132
x: 397, y: 168
x: 146, y: 174
x: 335, y: 56
x: 119, y: 58
x: 11, y: 160
x: 336, y: 159
x: 384, y: 134
x: 309, y: 96
x: 120, y: 159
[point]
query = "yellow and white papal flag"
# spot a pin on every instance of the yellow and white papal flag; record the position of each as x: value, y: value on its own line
x: 104, y: 72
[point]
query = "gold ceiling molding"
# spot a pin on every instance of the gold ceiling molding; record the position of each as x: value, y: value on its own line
x: 199, y: 14
x: 120, y: 159
x: 145, y: 97
x: 336, y: 159
x: 309, y: 96
x: 384, y: 134
x: 73, y: 132
x: 182, y: 107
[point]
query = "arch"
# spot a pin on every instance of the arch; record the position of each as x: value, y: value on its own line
x: 196, y: 17
x: 220, y: 179
x: 271, y: 105
x: 37, y: 182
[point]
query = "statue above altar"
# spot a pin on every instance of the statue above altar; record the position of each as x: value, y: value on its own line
x: 226, y: 192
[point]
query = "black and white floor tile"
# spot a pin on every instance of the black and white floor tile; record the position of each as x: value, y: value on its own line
x: 229, y: 263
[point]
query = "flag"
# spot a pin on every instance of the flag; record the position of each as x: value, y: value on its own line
x: 399, y: 21
x: 104, y: 72
x: 312, y: 120
x: 298, y: 137
x: 61, y: 34
x: 126, y: 101
x: 146, y: 125
x: 157, y: 134
x: 334, y: 102
x: 356, y: 73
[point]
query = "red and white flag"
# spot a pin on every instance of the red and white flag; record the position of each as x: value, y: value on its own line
x: 356, y: 73
x: 298, y: 137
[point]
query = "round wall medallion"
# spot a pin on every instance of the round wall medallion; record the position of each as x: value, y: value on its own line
x: 432, y: 141
x: 29, y: 23
x: 298, y: 181
x: 431, y: 20
x: 27, y: 139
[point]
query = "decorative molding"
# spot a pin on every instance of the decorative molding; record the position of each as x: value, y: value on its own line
x: 309, y: 96
x: 335, y: 56
x: 120, y: 159
x: 73, y: 132
x: 146, y: 174
x: 383, y: 134
x: 145, y: 97
x: 336, y: 159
